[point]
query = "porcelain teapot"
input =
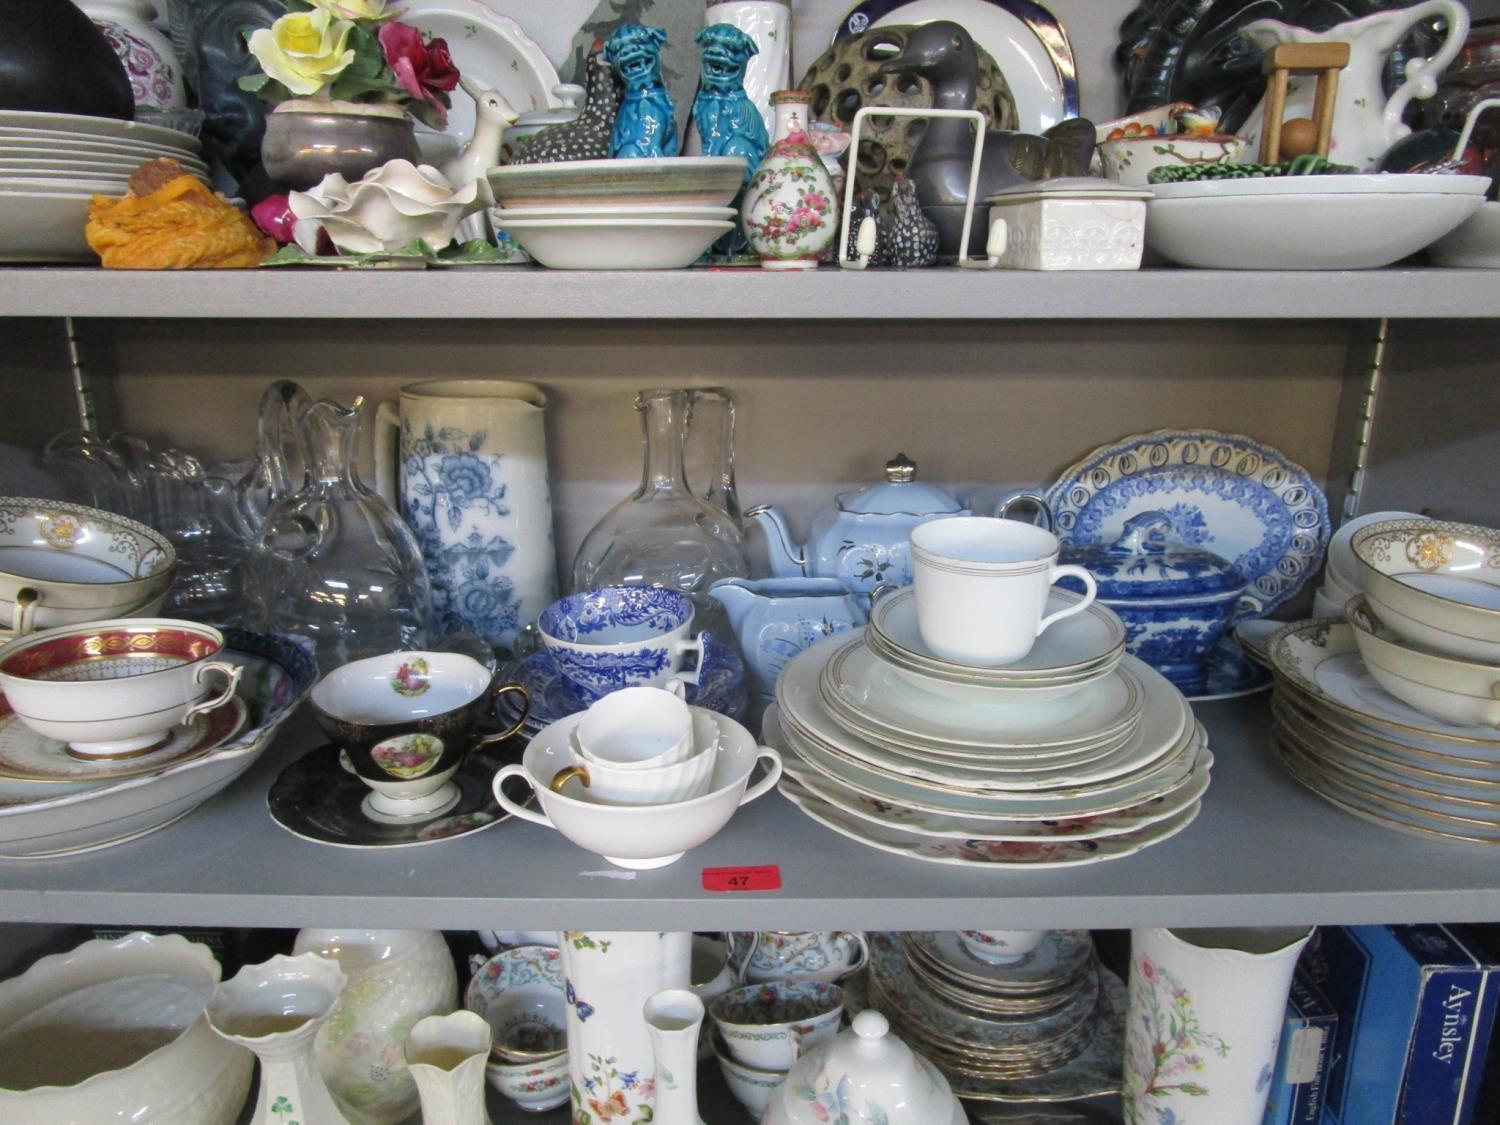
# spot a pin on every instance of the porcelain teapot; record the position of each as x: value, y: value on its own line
x: 1365, y: 121
x: 862, y: 540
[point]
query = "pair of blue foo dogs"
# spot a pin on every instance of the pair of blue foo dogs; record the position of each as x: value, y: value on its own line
x: 728, y: 122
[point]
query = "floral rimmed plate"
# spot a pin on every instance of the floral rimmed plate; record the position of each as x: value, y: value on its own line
x: 1059, y: 958
x: 1225, y: 493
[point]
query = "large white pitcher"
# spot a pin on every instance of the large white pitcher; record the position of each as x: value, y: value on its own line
x: 473, y: 488
x: 1365, y: 121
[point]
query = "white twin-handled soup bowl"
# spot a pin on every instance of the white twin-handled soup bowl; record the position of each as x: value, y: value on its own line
x: 114, y: 688
x: 642, y: 837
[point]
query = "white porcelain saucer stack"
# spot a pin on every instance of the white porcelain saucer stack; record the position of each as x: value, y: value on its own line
x: 51, y: 164
x: 1075, y: 754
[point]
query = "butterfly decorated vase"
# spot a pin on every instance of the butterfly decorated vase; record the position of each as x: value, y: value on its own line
x: 608, y: 977
x: 471, y: 482
x: 788, y: 209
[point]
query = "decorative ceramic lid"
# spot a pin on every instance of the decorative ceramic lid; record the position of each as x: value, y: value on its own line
x: 900, y: 494
x: 1144, y: 563
x: 570, y: 99
x: 864, y: 1074
x: 1068, y: 187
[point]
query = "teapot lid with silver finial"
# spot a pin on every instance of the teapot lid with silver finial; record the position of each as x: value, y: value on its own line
x: 900, y: 494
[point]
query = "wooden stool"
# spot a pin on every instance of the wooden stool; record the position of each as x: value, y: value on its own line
x: 1285, y: 59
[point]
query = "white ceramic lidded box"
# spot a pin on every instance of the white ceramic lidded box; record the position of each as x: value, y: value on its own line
x: 1074, y: 223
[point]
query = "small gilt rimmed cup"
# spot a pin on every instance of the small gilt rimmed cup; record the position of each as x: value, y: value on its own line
x: 636, y: 728
x: 769, y: 1026
x: 1000, y: 947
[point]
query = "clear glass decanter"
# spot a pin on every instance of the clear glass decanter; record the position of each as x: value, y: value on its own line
x: 710, y: 449
x: 334, y: 563
x: 665, y: 534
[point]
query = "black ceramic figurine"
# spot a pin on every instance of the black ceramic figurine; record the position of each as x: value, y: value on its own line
x: 867, y: 206
x: 54, y: 60
x: 944, y: 54
x: 912, y: 240
x: 586, y: 137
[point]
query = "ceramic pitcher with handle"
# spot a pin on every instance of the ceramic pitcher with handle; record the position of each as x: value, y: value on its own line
x: 1365, y: 121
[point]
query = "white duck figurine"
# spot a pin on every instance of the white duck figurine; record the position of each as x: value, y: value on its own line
x: 492, y: 116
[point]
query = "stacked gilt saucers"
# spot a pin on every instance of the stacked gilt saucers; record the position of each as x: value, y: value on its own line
x: 52, y: 164
x: 1077, y: 753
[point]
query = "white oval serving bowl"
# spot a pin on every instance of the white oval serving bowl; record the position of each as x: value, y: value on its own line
x: 615, y: 244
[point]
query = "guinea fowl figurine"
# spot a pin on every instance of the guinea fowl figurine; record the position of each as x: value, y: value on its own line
x: 943, y: 53
x: 912, y: 240
x: 586, y: 137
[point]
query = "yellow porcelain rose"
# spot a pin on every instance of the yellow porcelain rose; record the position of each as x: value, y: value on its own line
x: 375, y: 10
x: 304, y: 51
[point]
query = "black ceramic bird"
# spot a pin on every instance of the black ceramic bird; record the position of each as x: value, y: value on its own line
x: 587, y: 136
x: 54, y: 60
x: 944, y: 54
x: 912, y: 240
x: 867, y: 206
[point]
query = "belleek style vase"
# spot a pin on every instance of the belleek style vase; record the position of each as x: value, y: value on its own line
x: 674, y: 1018
x: 788, y: 205
x: 396, y: 977
x: 447, y: 1056
x: 608, y: 977
x: 1205, y: 1017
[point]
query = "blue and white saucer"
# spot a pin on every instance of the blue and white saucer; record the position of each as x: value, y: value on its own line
x: 1227, y: 673
x: 553, y: 696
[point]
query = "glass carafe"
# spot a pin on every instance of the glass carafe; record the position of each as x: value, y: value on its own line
x: 710, y: 449
x: 664, y: 534
x: 334, y: 563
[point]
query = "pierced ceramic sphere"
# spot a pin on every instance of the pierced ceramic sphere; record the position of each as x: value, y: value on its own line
x: 847, y: 77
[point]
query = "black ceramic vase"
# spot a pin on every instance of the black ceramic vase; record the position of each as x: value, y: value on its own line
x: 54, y: 60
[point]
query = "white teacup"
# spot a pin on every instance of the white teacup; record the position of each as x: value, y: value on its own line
x: 608, y: 784
x: 982, y: 586
x: 636, y: 728
x: 1000, y: 947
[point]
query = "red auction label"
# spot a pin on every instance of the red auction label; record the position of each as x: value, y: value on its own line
x: 763, y: 878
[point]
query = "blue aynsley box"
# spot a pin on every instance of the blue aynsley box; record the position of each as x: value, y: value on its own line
x: 1304, y: 1056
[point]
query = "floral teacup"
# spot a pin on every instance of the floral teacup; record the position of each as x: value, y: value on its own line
x: 816, y: 956
x: 1000, y: 947
x: 622, y: 636
x: 769, y: 1026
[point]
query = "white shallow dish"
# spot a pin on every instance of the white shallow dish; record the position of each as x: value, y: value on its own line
x: 619, y: 211
x: 40, y: 226
x: 615, y: 244
x: 72, y: 125
x: 1456, y: 691
x: 81, y: 160
x: 1474, y: 243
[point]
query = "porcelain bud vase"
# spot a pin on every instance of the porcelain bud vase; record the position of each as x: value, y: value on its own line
x: 1205, y: 1017
x: 276, y: 1009
x: 608, y: 977
x: 473, y: 488
x: 396, y: 977
x: 788, y: 206
x: 674, y: 1018
x: 447, y: 1056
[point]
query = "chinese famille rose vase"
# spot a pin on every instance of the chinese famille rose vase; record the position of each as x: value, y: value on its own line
x: 788, y: 207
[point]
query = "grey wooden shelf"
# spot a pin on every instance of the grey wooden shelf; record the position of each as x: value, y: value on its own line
x: 1263, y: 852
x: 828, y: 294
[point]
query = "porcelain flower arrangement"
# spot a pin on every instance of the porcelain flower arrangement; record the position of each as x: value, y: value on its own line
x: 392, y: 207
x: 352, y: 51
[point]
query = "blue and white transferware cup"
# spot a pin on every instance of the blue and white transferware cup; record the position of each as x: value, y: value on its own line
x: 474, y: 490
x: 623, y: 636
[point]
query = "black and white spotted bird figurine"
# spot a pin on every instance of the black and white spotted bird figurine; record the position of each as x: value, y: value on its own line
x: 587, y: 136
x: 911, y: 241
x: 867, y: 206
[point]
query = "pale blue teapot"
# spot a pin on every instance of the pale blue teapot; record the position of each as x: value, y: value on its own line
x: 863, y: 539
x: 776, y: 618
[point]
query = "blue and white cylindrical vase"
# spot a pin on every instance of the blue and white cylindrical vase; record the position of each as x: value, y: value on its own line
x: 474, y: 490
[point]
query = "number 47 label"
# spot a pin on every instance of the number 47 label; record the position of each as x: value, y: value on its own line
x: 764, y: 878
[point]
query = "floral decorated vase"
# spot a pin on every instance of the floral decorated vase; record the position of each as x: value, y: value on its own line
x: 1205, y: 1018
x: 149, y: 59
x: 396, y: 977
x: 608, y: 977
x: 473, y: 487
x: 788, y: 207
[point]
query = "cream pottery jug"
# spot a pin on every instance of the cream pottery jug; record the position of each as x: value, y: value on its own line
x: 608, y: 977
x: 473, y: 488
x: 395, y: 978
x: 447, y: 1056
x: 1365, y: 121
x: 1205, y: 1017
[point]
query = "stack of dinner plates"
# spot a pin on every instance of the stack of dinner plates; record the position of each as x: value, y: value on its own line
x: 1076, y: 754
x: 51, y: 164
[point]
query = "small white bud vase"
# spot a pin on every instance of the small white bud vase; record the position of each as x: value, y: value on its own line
x: 447, y: 1056
x: 788, y: 207
x: 1205, y: 1017
x: 276, y: 1009
x: 674, y: 1017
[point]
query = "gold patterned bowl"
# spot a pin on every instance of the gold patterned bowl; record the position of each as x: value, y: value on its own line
x: 1462, y: 692
x: 1434, y: 583
x: 64, y: 564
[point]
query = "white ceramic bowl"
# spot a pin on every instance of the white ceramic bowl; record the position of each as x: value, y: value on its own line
x: 114, y: 688
x: 1307, y: 222
x: 1436, y: 583
x: 752, y: 1088
x: 617, y: 211
x: 1456, y: 691
x: 1474, y: 243
x: 636, y: 728
x: 615, y: 244
x: 1131, y: 160
x: 708, y: 181
x: 114, y: 1031
x: 603, y: 784
x: 534, y: 1086
x: 1000, y: 947
x: 79, y: 564
x: 642, y: 837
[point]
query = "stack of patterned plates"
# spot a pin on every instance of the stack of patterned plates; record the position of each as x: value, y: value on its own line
x: 1347, y: 739
x: 1074, y: 755
x: 51, y: 164
x: 1060, y: 1038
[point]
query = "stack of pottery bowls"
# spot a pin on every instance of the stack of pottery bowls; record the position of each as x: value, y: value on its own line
x: 1000, y: 1025
x: 520, y: 994
x: 762, y: 1029
x: 963, y: 726
x: 1392, y: 713
x: 633, y: 214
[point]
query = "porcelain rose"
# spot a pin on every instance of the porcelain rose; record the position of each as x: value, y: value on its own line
x: 356, y: 9
x: 304, y: 51
x: 389, y: 209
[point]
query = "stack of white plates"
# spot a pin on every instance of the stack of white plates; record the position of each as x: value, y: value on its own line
x: 1076, y: 754
x: 51, y: 164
